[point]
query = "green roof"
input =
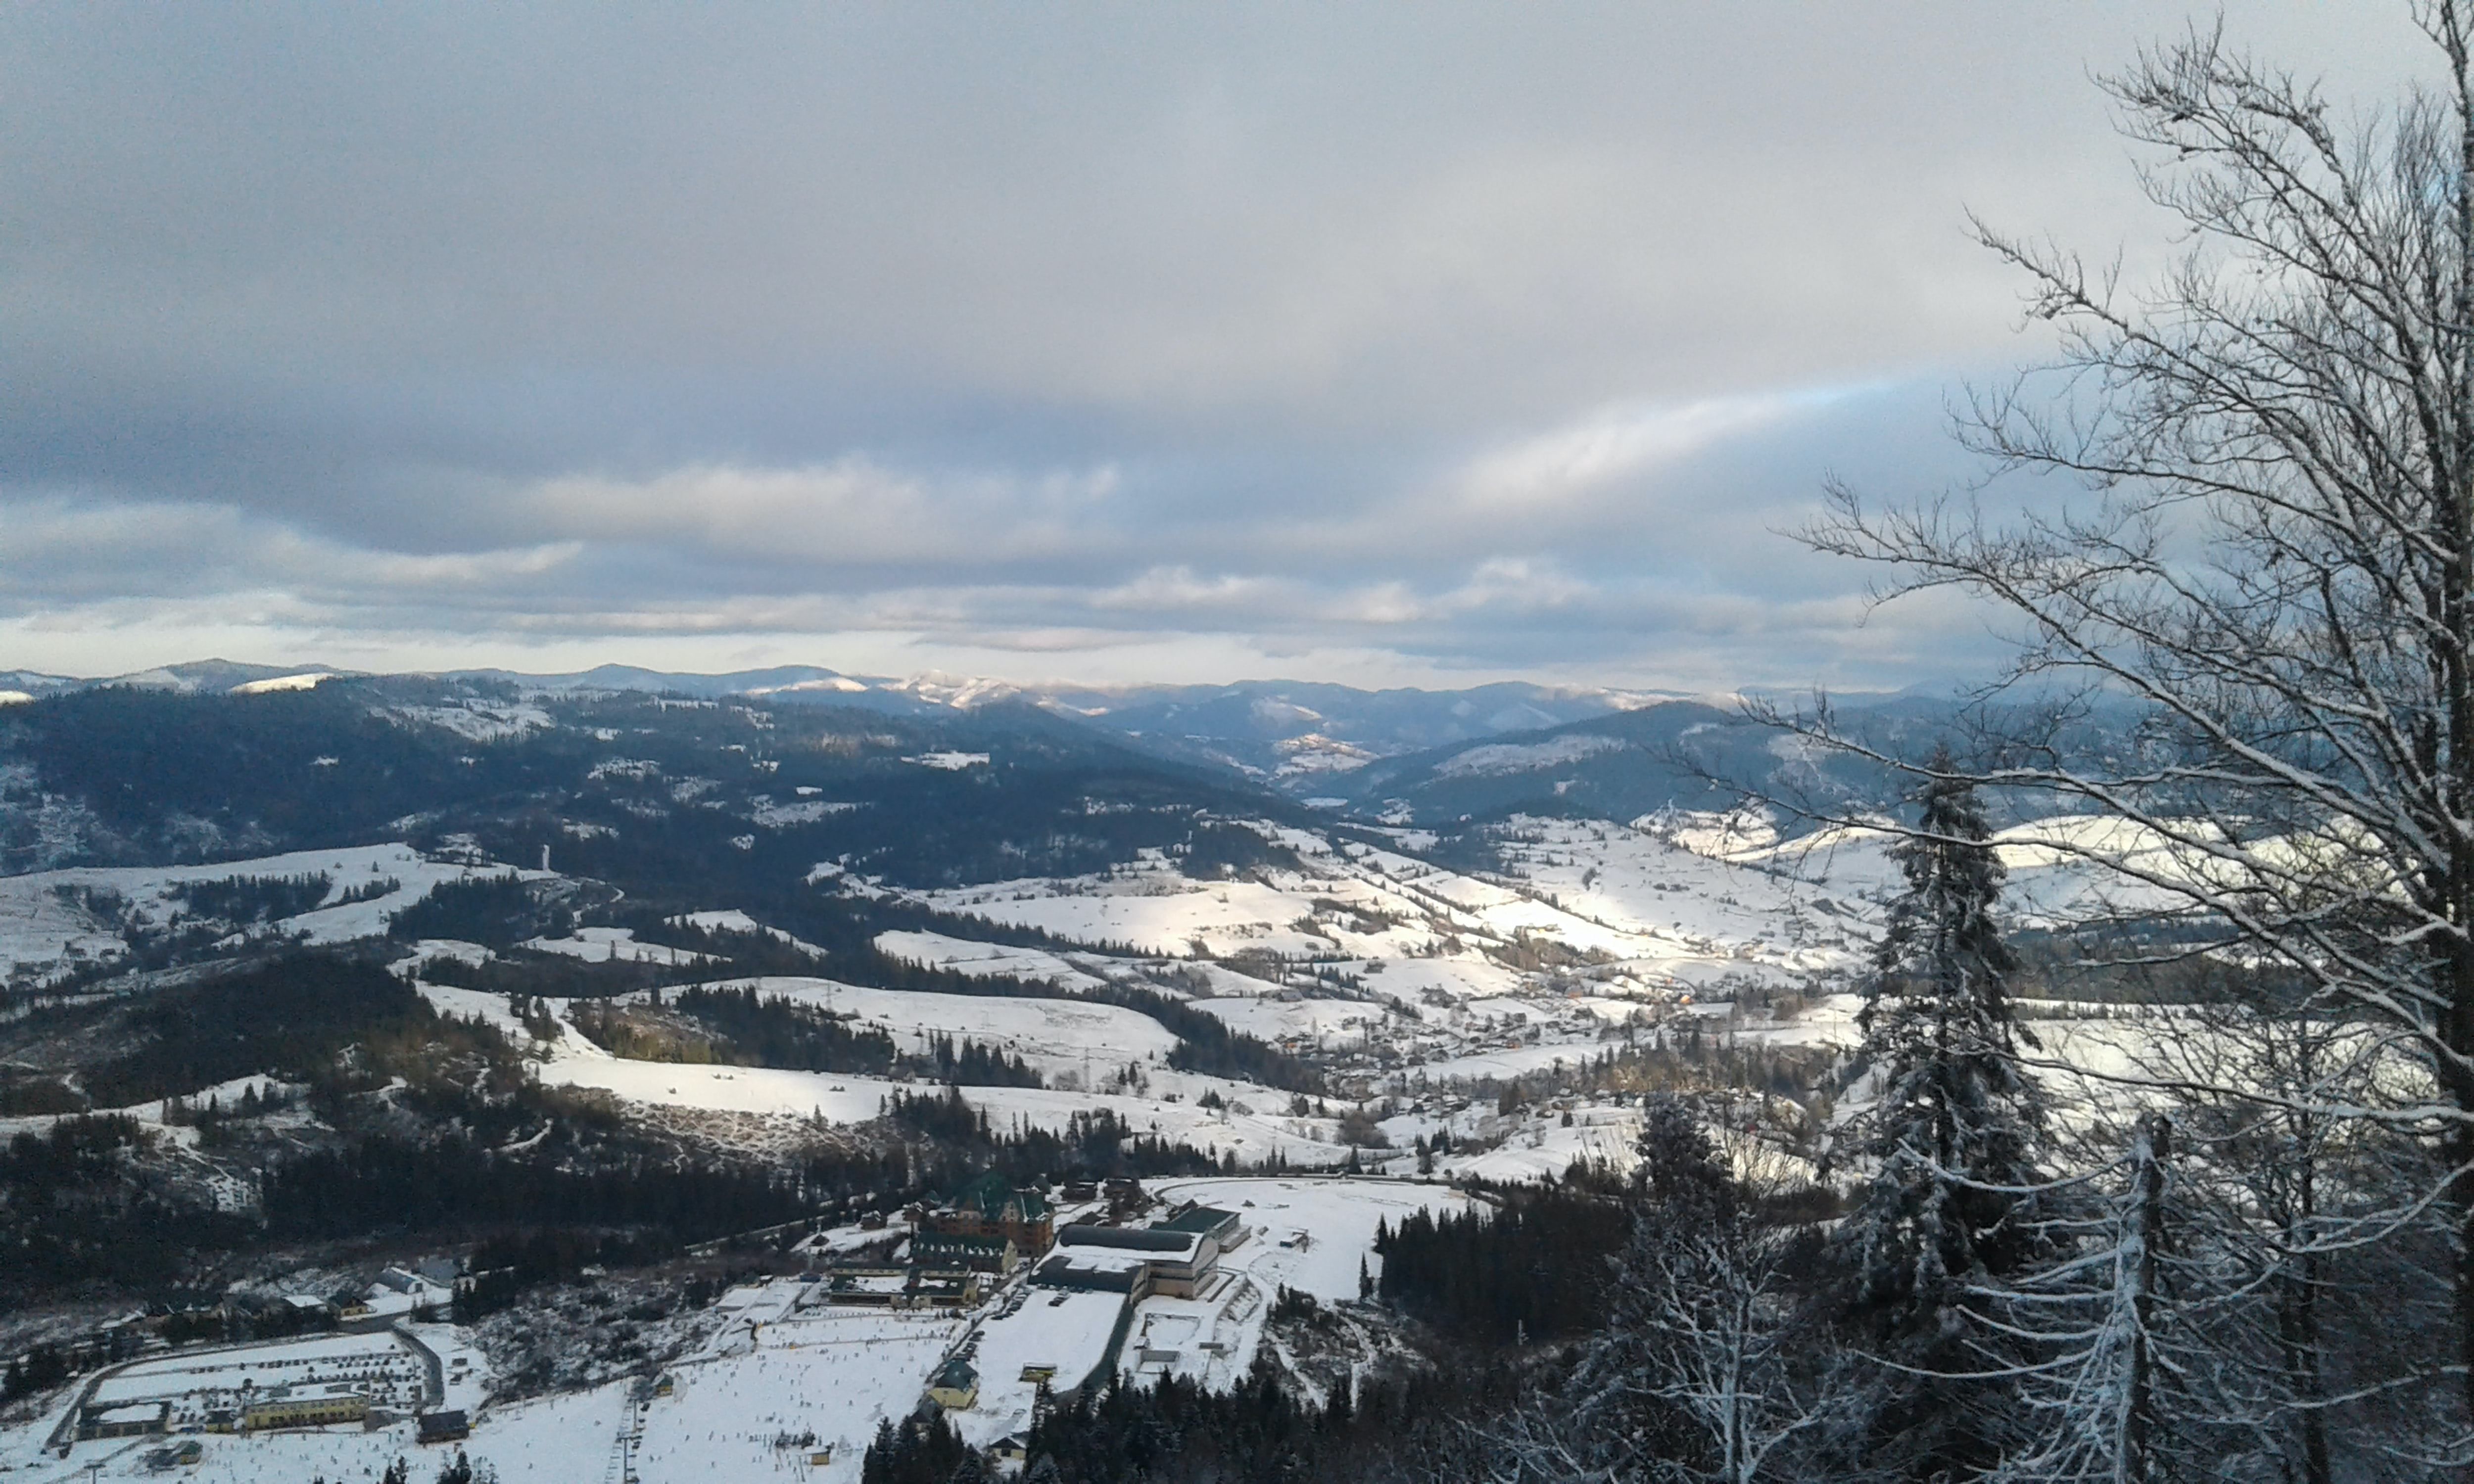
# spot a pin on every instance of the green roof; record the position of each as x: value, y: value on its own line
x: 991, y: 1192
x: 1203, y: 1218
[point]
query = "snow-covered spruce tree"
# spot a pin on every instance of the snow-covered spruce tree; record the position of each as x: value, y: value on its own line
x: 1950, y: 1138
x: 1956, y: 1121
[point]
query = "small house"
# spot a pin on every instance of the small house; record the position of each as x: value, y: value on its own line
x: 175, y: 1455
x: 450, y: 1427
x: 956, y: 1386
x: 309, y: 1308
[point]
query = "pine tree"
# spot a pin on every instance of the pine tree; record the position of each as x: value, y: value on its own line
x: 1957, y: 1123
x: 1951, y: 1142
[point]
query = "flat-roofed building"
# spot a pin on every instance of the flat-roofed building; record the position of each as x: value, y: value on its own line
x: 1222, y: 1226
x: 903, y: 1288
x: 126, y: 1420
x: 1156, y: 1259
x: 304, y: 1406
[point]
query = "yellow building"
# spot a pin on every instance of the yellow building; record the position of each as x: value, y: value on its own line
x: 956, y: 1387
x: 305, y: 1407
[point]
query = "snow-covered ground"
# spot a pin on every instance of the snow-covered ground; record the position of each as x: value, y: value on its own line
x: 983, y: 960
x: 615, y: 944
x: 45, y: 930
x: 1253, y: 1136
x: 1055, y: 1036
x: 1054, y: 1329
x: 227, y: 1094
x: 1315, y: 1236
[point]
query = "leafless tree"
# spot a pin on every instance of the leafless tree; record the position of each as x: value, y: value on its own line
x: 1713, y: 1367
x: 1729, y: 1350
x: 2273, y: 558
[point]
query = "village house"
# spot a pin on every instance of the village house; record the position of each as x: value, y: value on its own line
x: 176, y: 1455
x: 450, y: 1426
x: 956, y: 1386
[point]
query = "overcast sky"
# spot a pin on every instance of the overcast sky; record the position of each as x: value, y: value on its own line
x: 1422, y: 343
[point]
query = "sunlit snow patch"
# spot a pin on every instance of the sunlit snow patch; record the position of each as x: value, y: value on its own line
x: 307, y: 679
x: 951, y: 762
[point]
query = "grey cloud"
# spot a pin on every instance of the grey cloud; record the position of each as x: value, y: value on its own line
x: 1449, y: 338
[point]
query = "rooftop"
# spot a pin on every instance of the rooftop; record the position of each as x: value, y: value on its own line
x: 1153, y: 1239
x: 951, y: 1240
x: 991, y: 1192
x: 1197, y: 1219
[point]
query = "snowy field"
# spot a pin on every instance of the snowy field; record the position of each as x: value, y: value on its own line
x: 1156, y: 911
x: 44, y: 932
x: 1056, y: 1035
x: 833, y: 1374
x: 1314, y: 1022
x: 981, y: 960
x: 774, y: 1092
x: 615, y: 946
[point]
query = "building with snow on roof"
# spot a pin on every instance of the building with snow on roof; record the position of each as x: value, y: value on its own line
x: 1175, y: 1258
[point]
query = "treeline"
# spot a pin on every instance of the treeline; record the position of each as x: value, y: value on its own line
x: 1205, y: 1043
x: 781, y: 1032
x: 1686, y: 1061
x: 492, y: 909
x: 1179, y: 1431
x: 1216, y: 848
x: 503, y: 1268
x: 76, y: 1212
x: 1534, y: 1268
x: 969, y: 1064
x: 530, y: 974
x: 175, y: 778
x: 1095, y: 1144
x: 289, y: 1016
x: 737, y: 1026
x: 379, y: 1182
x: 246, y: 900
x: 845, y: 933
